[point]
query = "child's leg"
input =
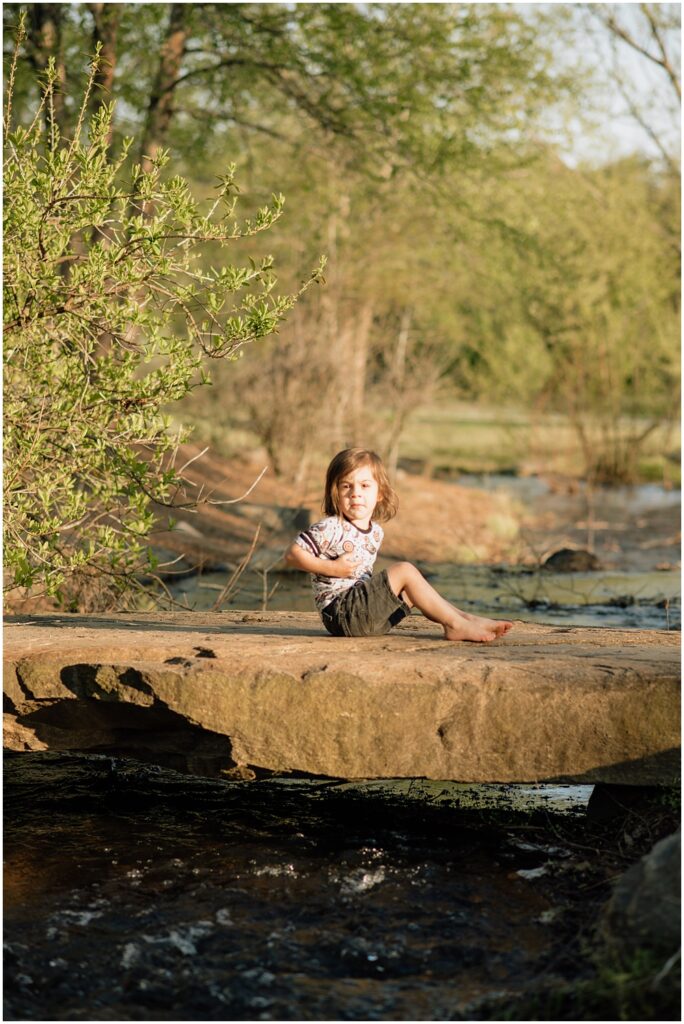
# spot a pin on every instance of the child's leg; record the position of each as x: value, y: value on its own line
x: 407, y: 582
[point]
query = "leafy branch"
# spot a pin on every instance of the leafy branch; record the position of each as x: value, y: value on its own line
x: 109, y: 311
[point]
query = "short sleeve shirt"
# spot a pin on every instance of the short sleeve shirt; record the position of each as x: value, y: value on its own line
x: 331, y: 538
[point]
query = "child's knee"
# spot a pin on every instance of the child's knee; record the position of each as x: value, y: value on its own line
x: 407, y: 568
x: 402, y: 575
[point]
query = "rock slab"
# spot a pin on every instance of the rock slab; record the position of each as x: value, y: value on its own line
x: 274, y: 691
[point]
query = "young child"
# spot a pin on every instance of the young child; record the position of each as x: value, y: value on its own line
x: 341, y: 549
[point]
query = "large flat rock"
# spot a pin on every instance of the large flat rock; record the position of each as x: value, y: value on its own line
x: 273, y: 690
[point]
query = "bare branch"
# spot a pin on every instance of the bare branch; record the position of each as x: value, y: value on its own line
x: 665, y: 60
x: 233, y: 501
x: 662, y: 61
x: 228, y: 62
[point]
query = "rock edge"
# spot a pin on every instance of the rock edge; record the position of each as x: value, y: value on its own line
x: 274, y: 691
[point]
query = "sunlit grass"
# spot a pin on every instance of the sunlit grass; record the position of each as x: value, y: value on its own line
x: 459, y: 438
x: 455, y: 437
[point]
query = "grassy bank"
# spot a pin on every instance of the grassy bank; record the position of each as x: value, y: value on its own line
x: 459, y: 437
x: 453, y: 437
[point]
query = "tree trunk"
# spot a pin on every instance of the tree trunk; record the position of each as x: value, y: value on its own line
x: 400, y: 410
x: 331, y: 330
x: 45, y: 36
x: 160, y: 109
x: 342, y: 422
x: 106, y: 19
x: 359, y: 348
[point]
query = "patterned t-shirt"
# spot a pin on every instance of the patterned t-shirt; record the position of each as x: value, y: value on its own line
x: 331, y: 538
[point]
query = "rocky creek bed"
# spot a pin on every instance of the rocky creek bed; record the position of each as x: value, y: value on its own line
x: 137, y: 893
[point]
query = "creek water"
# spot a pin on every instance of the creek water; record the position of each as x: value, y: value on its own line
x: 633, y: 600
x: 137, y: 893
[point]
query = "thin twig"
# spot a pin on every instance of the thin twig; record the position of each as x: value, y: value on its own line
x: 230, y: 585
x: 233, y: 501
x: 198, y: 456
x: 21, y: 32
x: 666, y: 968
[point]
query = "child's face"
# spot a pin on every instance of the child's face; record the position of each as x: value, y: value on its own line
x: 358, y: 495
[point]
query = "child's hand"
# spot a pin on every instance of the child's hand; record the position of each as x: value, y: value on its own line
x: 346, y: 566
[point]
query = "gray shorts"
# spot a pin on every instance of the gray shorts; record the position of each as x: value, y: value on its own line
x: 369, y: 608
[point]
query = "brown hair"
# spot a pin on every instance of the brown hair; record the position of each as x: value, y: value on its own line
x: 346, y: 462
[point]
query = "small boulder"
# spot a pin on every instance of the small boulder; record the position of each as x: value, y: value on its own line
x: 571, y: 560
x: 644, y: 911
x: 278, y: 518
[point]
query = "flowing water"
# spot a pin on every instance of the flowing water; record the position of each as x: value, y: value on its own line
x: 134, y: 893
x: 632, y: 600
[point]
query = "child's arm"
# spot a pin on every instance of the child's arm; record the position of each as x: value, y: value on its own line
x: 297, y: 558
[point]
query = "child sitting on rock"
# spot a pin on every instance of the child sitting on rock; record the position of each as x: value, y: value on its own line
x: 340, y: 551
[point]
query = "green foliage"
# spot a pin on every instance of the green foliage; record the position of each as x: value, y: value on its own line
x: 547, y: 288
x: 425, y: 148
x: 634, y: 991
x: 398, y: 86
x: 577, y: 310
x: 108, y: 312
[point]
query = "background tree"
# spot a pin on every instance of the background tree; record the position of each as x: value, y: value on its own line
x: 425, y: 148
x: 579, y: 311
x: 403, y: 82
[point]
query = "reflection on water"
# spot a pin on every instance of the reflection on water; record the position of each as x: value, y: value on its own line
x: 617, y: 600
x: 557, y: 799
x: 135, y: 893
x: 644, y: 600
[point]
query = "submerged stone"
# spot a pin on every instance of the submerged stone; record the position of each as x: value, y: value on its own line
x: 572, y: 560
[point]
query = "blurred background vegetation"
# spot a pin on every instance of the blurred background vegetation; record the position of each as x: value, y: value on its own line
x: 496, y: 189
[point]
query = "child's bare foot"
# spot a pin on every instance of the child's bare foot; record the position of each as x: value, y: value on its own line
x: 466, y: 630
x: 476, y: 629
x: 499, y: 626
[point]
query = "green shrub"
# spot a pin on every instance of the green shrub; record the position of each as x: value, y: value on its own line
x: 108, y: 314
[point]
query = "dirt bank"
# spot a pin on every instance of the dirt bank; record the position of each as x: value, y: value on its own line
x: 437, y: 520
